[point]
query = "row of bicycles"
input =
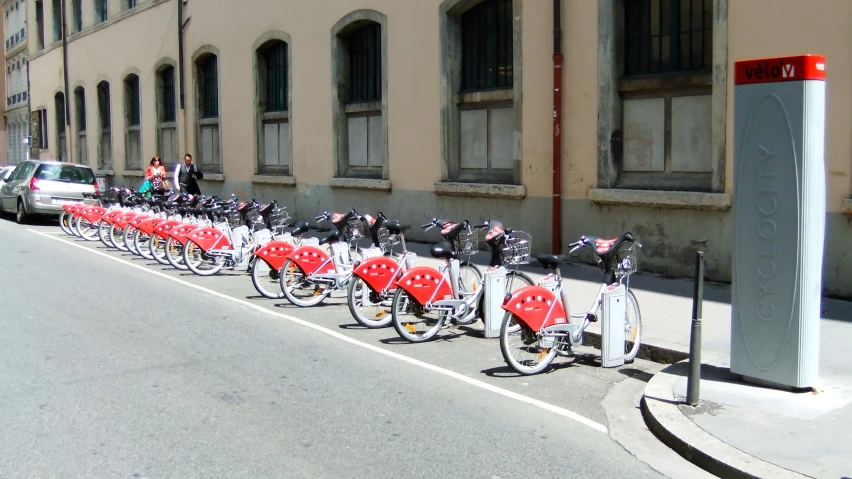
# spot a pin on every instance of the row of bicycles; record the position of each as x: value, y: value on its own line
x: 364, y: 259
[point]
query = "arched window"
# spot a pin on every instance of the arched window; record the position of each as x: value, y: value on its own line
x: 61, y: 144
x: 359, y: 87
x: 133, y: 124
x: 167, y: 136
x: 207, y: 101
x: 105, y: 123
x: 82, y: 153
x: 481, y: 110
x: 273, y: 108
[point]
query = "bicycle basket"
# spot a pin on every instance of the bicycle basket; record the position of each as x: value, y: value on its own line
x: 467, y: 242
x: 517, y: 248
x: 233, y: 218
x: 355, y: 229
x: 278, y: 217
x: 626, y: 260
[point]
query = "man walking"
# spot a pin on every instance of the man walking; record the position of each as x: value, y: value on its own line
x: 186, y: 175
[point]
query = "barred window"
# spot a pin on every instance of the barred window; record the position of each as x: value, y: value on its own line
x: 663, y: 36
x: 208, y: 86
x: 365, y: 64
x: 80, y: 100
x: 59, y: 104
x: 167, y: 94
x: 487, y: 46
x: 275, y: 76
x: 131, y: 87
x: 103, y: 104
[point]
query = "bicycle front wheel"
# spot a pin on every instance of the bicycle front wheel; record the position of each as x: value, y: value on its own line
x: 265, y: 279
x: 632, y: 328
x: 298, y: 287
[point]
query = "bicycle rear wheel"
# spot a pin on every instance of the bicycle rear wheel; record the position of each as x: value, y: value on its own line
x: 413, y: 322
x: 522, y: 348
x: 265, y: 279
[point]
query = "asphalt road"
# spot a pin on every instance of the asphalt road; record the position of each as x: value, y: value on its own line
x: 113, y: 366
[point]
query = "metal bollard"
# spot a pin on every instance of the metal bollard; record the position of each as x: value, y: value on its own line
x: 694, y: 378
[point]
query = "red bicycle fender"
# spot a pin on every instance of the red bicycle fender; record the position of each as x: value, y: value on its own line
x: 147, y: 225
x: 275, y: 253
x: 379, y: 273
x: 124, y: 219
x: 162, y: 229
x: 425, y: 284
x: 531, y: 305
x: 310, y: 258
x: 179, y: 233
x: 208, y: 238
x: 93, y: 213
x: 109, y: 216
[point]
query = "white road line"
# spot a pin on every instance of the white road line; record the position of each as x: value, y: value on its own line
x: 446, y: 372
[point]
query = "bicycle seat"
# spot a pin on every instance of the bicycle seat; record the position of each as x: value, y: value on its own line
x: 551, y: 261
x: 443, y: 250
x: 301, y: 228
x: 395, y: 228
x: 332, y: 237
x: 604, y: 247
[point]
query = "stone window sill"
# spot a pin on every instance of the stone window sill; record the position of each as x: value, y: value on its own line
x: 662, y: 199
x: 360, y: 184
x: 105, y: 172
x: 480, y: 189
x: 274, y: 179
x: 134, y: 173
x: 213, y: 177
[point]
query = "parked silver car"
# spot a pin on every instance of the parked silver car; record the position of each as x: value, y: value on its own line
x: 42, y: 187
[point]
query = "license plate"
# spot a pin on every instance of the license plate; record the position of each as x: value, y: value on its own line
x: 58, y: 201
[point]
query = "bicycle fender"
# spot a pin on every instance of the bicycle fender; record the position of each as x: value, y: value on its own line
x: 109, y: 216
x: 425, y: 285
x: 275, y: 253
x: 148, y: 224
x: 180, y: 233
x: 310, y: 258
x: 71, y: 208
x: 75, y: 209
x: 162, y: 229
x: 536, y: 307
x: 378, y: 273
x: 122, y: 220
x: 208, y: 238
x: 92, y: 213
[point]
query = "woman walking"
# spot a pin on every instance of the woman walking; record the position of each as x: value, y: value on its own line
x: 156, y: 174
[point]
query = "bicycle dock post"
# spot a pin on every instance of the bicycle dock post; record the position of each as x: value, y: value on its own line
x: 694, y: 378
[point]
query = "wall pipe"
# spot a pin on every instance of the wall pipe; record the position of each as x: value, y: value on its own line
x: 181, y: 90
x: 557, y: 128
x: 68, y: 134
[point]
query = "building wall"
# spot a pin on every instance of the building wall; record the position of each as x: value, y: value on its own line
x: 672, y: 224
x: 16, y: 114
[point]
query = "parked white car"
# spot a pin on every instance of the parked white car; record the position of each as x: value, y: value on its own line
x: 5, y: 172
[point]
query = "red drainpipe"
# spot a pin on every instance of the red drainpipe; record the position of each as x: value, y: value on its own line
x: 557, y: 128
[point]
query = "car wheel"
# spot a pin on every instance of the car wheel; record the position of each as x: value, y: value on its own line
x: 21, y: 216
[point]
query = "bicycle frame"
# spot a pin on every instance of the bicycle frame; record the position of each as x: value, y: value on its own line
x: 438, y: 288
x: 320, y: 267
x: 538, y: 307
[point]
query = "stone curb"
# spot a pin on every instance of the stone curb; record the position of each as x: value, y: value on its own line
x: 662, y: 414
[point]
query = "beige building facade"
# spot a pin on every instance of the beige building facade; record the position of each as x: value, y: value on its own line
x: 423, y: 108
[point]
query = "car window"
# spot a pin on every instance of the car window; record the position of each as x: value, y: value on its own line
x: 15, y: 174
x: 67, y: 174
x: 26, y: 169
x: 7, y: 173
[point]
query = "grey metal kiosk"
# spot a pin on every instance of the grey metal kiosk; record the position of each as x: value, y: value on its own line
x: 779, y: 209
